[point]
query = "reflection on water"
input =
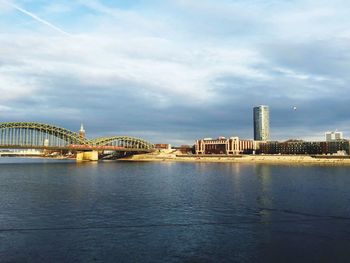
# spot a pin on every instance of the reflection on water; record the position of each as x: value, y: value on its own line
x: 59, y: 211
x: 264, y: 199
x: 263, y: 171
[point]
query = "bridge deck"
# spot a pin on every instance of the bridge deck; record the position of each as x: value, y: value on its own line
x: 76, y: 148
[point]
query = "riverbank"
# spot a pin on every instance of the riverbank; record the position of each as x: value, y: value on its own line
x: 270, y: 159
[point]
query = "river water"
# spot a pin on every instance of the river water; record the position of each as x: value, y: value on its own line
x: 62, y: 211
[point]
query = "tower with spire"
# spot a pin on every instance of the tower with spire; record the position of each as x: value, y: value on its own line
x: 82, y: 131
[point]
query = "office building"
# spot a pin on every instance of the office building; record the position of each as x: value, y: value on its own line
x: 261, y: 115
x: 295, y: 147
x: 328, y: 136
x: 221, y: 145
x: 338, y: 135
x: 333, y: 136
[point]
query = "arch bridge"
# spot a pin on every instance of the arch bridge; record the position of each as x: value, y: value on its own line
x: 122, y: 141
x: 32, y: 135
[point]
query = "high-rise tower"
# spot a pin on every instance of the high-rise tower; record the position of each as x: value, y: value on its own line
x: 261, y: 116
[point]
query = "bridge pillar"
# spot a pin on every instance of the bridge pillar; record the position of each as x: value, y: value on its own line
x: 87, y: 156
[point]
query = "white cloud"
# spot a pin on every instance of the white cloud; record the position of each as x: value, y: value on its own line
x: 184, y: 53
x: 12, y: 87
x: 4, y: 108
x: 158, y: 67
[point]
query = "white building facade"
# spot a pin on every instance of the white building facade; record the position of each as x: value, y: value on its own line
x: 334, y: 136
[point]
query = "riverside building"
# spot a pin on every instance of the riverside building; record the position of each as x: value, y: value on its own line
x: 221, y: 145
x: 296, y: 147
x: 333, y: 136
x: 261, y: 116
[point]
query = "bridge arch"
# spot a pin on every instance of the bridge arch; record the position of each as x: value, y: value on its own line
x: 37, y: 134
x: 122, y: 141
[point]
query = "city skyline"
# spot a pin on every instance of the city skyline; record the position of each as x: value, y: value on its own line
x: 176, y: 70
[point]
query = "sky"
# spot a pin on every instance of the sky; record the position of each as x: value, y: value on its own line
x: 173, y: 71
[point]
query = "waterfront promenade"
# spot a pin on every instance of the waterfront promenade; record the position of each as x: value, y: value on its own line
x: 176, y: 156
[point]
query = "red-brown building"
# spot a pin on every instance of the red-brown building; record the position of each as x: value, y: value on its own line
x: 222, y: 145
x: 162, y: 146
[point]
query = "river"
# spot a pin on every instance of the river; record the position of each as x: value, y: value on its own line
x: 63, y: 211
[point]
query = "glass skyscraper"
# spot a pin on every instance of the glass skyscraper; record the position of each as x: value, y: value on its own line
x: 261, y: 116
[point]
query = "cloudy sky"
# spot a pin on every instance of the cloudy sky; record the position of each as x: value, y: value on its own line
x: 177, y: 70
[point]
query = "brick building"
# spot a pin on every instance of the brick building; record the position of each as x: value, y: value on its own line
x: 302, y: 147
x: 222, y: 145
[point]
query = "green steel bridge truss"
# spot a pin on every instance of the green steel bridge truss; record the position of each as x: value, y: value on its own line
x: 122, y: 141
x: 45, y: 135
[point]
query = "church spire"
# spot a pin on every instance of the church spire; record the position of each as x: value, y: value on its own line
x: 82, y: 131
x: 82, y: 128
